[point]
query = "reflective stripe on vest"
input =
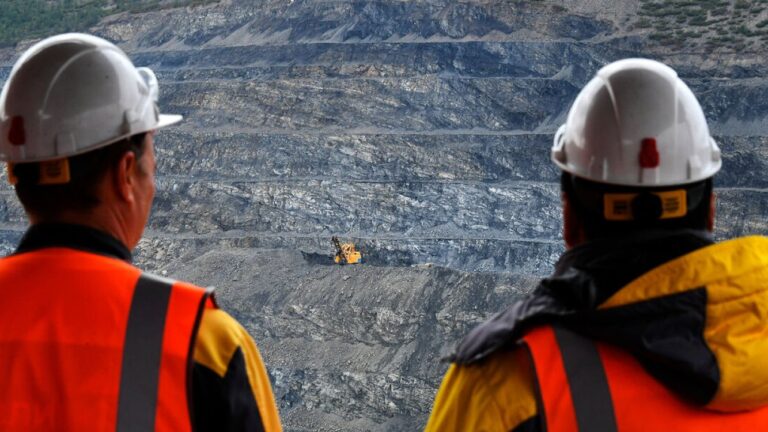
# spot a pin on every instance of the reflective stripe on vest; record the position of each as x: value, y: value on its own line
x: 171, y: 383
x: 142, y: 350
x: 587, y: 386
x: 94, y: 345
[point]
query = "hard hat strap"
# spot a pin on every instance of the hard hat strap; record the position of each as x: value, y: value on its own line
x: 50, y: 172
x: 615, y: 203
x: 645, y: 206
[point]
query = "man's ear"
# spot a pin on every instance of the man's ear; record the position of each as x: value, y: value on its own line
x: 124, y: 177
x: 573, y: 231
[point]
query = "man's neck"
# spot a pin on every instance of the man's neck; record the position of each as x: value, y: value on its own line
x: 72, y: 236
x: 95, y: 219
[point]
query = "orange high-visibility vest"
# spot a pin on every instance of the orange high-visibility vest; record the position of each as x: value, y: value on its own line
x: 87, y: 342
x: 593, y: 387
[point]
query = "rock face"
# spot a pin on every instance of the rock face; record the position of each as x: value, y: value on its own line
x: 421, y: 131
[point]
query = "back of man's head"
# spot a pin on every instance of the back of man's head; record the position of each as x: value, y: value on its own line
x: 47, y: 199
x: 636, y: 153
x: 72, y: 106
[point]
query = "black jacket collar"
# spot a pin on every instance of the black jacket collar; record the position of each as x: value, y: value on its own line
x: 584, y: 278
x: 72, y: 236
x: 610, y: 264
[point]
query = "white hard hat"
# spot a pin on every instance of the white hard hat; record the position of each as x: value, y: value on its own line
x: 636, y: 124
x: 73, y: 93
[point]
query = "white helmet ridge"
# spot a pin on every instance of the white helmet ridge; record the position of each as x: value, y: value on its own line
x: 636, y: 124
x: 72, y: 93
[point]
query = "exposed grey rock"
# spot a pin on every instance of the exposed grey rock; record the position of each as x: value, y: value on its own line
x: 368, y: 338
x: 420, y: 130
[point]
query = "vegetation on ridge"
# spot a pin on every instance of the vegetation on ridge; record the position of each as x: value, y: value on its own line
x: 24, y: 19
x: 735, y: 24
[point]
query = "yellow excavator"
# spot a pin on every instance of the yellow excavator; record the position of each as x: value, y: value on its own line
x: 346, y: 252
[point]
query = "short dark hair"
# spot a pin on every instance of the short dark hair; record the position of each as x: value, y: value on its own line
x: 587, y: 200
x: 86, y: 172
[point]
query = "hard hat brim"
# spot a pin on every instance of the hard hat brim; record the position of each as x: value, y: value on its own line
x: 167, y: 120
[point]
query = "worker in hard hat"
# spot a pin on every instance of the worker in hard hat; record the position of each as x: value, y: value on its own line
x: 87, y: 340
x: 646, y: 324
